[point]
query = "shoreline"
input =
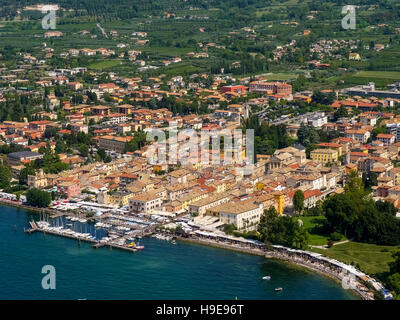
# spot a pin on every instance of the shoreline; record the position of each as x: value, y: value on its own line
x: 245, y: 250
x: 267, y: 255
x: 19, y: 205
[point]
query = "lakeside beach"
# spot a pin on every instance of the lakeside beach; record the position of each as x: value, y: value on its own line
x: 281, y: 258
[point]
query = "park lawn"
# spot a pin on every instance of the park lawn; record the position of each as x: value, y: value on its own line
x: 372, y: 259
x: 311, y: 224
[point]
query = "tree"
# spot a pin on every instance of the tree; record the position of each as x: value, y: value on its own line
x: 282, y: 230
x: 102, y: 153
x: 23, y: 175
x: 341, y: 113
x: 357, y: 216
x: 370, y: 179
x: 354, y: 183
x: 395, y: 265
x: 84, y: 150
x: 394, y: 283
x: 298, y: 201
x: 38, y: 198
x: 5, y: 176
x: 229, y: 228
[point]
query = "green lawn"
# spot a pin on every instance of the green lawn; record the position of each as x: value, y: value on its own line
x: 313, y: 225
x: 373, y: 259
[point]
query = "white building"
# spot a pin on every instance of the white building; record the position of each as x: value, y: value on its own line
x: 145, y: 203
x: 244, y: 215
x: 318, y: 120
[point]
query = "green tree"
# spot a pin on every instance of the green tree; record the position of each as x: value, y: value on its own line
x: 298, y: 201
x: 229, y: 228
x: 394, y: 283
x: 38, y: 198
x: 23, y: 175
x: 5, y: 176
x: 282, y: 230
x: 341, y: 113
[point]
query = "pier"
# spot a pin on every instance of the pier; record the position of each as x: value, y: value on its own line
x: 35, y: 227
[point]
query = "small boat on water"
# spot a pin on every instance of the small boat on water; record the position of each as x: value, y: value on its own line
x: 266, y: 278
x: 278, y: 289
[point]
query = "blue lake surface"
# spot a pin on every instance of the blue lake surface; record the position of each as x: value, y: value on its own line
x: 161, y: 271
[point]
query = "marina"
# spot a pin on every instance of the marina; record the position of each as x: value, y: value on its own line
x: 113, y: 235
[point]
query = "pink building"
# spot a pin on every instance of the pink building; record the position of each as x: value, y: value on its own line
x: 69, y: 188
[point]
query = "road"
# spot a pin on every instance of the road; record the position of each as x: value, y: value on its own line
x: 324, y: 247
x: 102, y: 30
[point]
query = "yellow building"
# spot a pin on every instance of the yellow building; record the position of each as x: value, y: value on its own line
x: 280, y: 201
x: 117, y: 198
x: 191, y: 198
x: 220, y: 186
x: 37, y: 181
x: 301, y: 98
x: 354, y: 56
x: 324, y: 155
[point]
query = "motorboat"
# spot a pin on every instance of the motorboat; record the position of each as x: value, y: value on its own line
x: 266, y: 278
x: 278, y: 289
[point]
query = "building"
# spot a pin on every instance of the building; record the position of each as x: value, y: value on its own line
x: 311, y: 197
x: 37, y: 181
x: 112, y: 143
x: 370, y: 91
x: 145, y: 203
x: 354, y: 56
x: 68, y: 189
x: 271, y: 88
x: 317, y: 120
x: 361, y: 135
x: 243, y: 214
x: 233, y: 88
x: 331, y: 145
x: 394, y: 129
x: 53, y: 34
x: 78, y: 127
x: 201, y: 206
x: 387, y: 139
x: 74, y: 85
x: 16, y: 158
x: 117, y: 198
x: 100, y: 110
x: 324, y: 155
